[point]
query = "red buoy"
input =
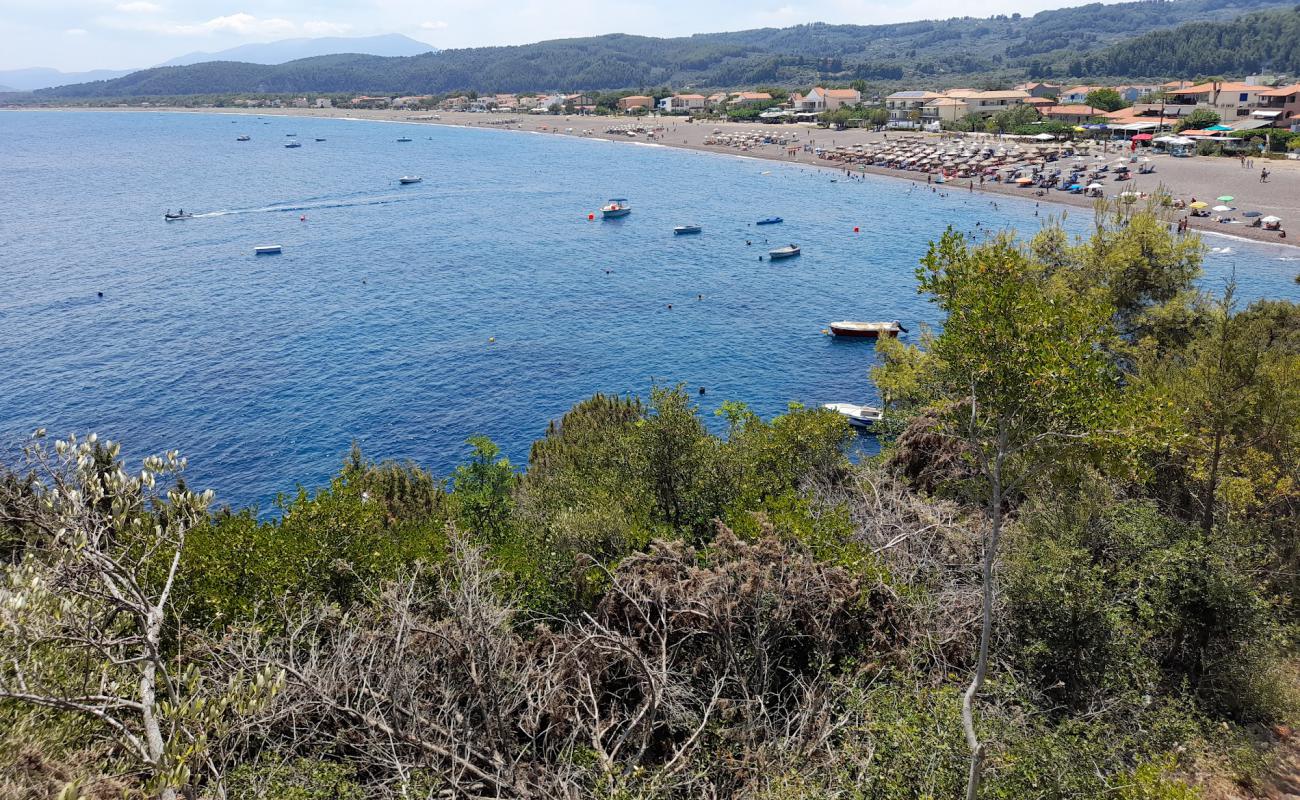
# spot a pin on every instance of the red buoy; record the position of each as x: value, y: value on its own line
x: 591, y: 216
x: 303, y: 218
x: 855, y: 228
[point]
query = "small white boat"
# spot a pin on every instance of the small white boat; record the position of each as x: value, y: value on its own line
x: 404, y: 139
x: 617, y: 207
x: 869, y: 330
x: 170, y: 217
x: 680, y: 229
x: 405, y: 179
x: 243, y: 138
x: 789, y: 251
x: 858, y: 416
x: 267, y: 250
x: 294, y: 144
x: 320, y: 140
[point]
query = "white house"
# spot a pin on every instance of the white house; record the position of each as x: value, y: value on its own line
x: 679, y: 103
x: 822, y: 99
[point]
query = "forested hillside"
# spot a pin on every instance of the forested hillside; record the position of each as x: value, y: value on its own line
x: 1048, y: 44
x: 1071, y: 573
x: 1267, y: 41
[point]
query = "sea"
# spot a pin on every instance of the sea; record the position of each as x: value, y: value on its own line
x: 484, y: 300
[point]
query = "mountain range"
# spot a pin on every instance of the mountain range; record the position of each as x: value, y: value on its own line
x: 269, y: 53
x: 1095, y: 40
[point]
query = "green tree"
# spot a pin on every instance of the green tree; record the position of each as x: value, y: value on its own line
x: 1022, y: 381
x: 1199, y: 119
x: 482, y: 489
x: 1106, y: 99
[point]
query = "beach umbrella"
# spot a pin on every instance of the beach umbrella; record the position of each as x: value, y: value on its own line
x: 1250, y: 214
x: 1221, y: 208
x: 1270, y: 219
x: 1199, y: 204
x: 1095, y: 186
x: 1218, y: 128
x: 1227, y: 198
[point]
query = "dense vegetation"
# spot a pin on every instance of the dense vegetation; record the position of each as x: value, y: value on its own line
x: 1076, y: 559
x: 1047, y: 44
x: 1267, y: 41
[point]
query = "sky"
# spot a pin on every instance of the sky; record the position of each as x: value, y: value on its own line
x: 126, y: 34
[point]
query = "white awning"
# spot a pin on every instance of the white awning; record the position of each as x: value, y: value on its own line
x: 1137, y: 127
x: 1266, y: 114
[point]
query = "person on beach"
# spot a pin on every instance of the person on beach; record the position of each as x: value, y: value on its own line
x: 1263, y: 175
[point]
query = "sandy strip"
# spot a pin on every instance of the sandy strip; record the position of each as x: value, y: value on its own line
x: 1203, y: 178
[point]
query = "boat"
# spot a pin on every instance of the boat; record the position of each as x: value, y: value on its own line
x: 789, y: 251
x: 403, y: 138
x: 242, y: 138
x: 170, y: 217
x: 770, y: 221
x: 267, y: 250
x: 858, y: 416
x: 320, y: 140
x: 294, y: 144
x: 617, y: 207
x: 870, y: 330
x: 680, y: 229
x: 405, y: 179
x: 291, y: 134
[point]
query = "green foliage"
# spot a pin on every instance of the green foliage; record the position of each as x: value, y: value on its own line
x: 1106, y: 99
x: 298, y: 779
x: 1198, y: 119
x: 1122, y: 601
x: 482, y: 490
x: 371, y: 520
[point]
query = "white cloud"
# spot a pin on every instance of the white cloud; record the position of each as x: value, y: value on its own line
x: 435, y: 25
x: 240, y: 24
x: 138, y: 7
x: 320, y: 27
x: 76, y: 32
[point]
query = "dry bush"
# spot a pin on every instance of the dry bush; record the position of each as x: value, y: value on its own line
x: 931, y: 545
x: 738, y: 649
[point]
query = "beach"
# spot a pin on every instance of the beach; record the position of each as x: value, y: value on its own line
x: 1203, y: 178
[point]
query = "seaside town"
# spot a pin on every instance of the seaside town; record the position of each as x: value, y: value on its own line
x: 1182, y: 143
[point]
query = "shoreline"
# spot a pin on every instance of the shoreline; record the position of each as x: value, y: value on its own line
x: 1283, y: 195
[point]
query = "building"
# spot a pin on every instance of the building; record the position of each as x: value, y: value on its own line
x: 641, y: 101
x: 682, y: 103
x: 324, y: 102
x: 1132, y: 93
x: 905, y: 107
x: 1072, y: 114
x: 1077, y: 94
x: 822, y: 99
x: 716, y: 99
x: 1040, y: 90
x: 1229, y: 100
x: 1280, y: 106
x: 955, y: 104
x: 743, y: 99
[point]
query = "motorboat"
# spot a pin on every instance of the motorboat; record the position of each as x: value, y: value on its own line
x: 244, y: 138
x: 868, y: 330
x: 789, y: 251
x: 294, y: 144
x: 858, y: 416
x: 320, y: 140
x: 680, y: 229
x: 404, y: 139
x: 170, y: 217
x: 405, y: 179
x: 617, y: 207
x: 770, y: 221
x: 291, y: 134
x: 267, y: 250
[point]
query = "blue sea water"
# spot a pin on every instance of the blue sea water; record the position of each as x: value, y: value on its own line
x: 408, y: 318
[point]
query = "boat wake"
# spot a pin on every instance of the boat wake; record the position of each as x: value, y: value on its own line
x: 313, y: 205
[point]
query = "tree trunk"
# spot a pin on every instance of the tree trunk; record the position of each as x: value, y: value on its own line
x: 149, y: 700
x: 986, y: 631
